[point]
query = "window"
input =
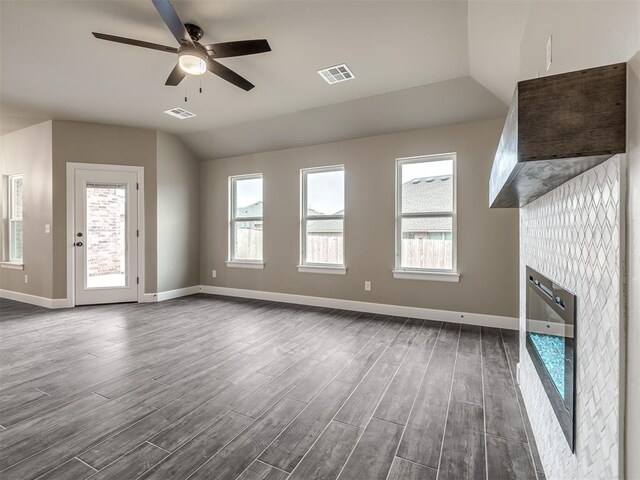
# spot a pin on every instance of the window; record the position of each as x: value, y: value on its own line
x: 245, y: 221
x: 425, y: 217
x: 322, y: 228
x: 15, y: 218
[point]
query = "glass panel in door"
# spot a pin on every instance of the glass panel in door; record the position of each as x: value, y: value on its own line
x: 106, y: 235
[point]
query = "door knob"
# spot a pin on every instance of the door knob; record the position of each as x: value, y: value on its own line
x: 78, y: 244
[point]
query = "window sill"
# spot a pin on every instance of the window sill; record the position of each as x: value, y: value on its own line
x: 430, y: 276
x: 251, y: 265
x: 12, y: 265
x: 329, y: 270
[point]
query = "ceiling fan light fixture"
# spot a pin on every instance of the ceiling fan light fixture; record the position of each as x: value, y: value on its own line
x: 192, y: 62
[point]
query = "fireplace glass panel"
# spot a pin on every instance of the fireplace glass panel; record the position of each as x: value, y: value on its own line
x: 551, y: 345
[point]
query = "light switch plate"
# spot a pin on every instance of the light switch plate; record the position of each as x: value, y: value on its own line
x: 367, y: 286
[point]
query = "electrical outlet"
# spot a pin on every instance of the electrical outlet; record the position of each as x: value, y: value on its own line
x: 367, y: 286
x: 549, y: 52
x: 47, y: 228
x: 26, y: 278
x: 213, y: 274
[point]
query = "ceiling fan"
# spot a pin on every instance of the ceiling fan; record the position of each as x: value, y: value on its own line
x: 193, y: 57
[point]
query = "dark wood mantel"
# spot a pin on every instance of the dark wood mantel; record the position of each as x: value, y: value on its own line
x: 558, y: 127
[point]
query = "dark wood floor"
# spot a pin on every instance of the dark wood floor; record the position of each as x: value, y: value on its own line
x: 211, y: 387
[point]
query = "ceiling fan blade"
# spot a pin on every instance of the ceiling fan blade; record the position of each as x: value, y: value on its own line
x: 237, y: 49
x: 135, y: 43
x: 176, y: 76
x: 172, y: 20
x: 228, y: 75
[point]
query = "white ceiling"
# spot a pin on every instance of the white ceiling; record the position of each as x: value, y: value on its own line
x: 53, y: 67
x: 508, y: 39
x: 417, y: 63
x: 442, y: 103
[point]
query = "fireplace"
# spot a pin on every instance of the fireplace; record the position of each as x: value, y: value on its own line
x: 551, y: 337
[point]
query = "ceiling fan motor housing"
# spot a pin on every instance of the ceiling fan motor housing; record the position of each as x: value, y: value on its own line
x: 194, y: 31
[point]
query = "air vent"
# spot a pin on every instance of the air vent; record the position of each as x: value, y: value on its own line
x: 337, y: 74
x: 180, y: 113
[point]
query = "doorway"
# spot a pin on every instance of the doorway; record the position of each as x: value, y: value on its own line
x: 105, y: 235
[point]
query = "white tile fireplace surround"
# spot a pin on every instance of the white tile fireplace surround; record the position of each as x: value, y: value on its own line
x: 573, y: 236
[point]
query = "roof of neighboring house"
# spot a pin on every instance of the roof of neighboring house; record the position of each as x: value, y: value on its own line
x: 426, y: 194
x: 253, y: 210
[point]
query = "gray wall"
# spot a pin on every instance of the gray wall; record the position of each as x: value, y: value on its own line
x: 28, y: 151
x: 633, y: 270
x: 487, y: 246
x: 178, y: 173
x: 585, y: 34
x: 171, y: 200
x: 104, y: 144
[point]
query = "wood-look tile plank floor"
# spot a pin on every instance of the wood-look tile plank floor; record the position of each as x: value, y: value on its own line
x: 208, y: 387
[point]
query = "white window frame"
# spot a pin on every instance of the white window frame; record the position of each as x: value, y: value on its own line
x: 414, y: 273
x: 232, y: 261
x: 11, y: 260
x: 310, y: 267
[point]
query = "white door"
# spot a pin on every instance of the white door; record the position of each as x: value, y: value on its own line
x: 105, y: 236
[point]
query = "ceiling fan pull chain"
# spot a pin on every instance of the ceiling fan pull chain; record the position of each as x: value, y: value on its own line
x: 200, y: 84
x: 185, y: 92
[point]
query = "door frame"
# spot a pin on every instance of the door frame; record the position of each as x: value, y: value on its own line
x: 71, y: 171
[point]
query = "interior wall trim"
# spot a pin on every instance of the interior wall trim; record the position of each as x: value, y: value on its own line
x: 480, y: 319
x: 34, y: 299
x: 169, y: 294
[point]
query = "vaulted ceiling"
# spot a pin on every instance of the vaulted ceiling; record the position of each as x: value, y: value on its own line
x: 417, y: 64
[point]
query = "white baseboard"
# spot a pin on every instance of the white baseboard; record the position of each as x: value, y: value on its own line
x: 169, y: 294
x: 149, y: 298
x: 179, y: 292
x: 64, y: 303
x: 34, y: 299
x: 60, y: 303
x: 481, y: 319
